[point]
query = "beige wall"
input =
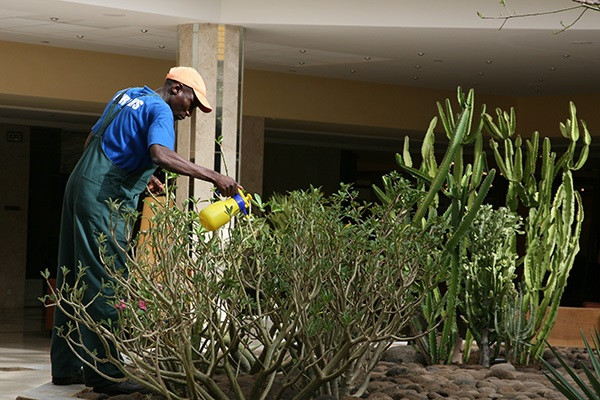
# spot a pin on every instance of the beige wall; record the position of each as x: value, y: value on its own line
x: 74, y: 78
x: 14, y: 164
x: 52, y: 77
x: 298, y: 97
x: 304, y: 98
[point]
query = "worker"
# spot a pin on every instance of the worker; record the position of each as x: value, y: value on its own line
x: 134, y: 136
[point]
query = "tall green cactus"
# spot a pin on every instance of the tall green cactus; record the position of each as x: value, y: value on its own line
x: 553, y: 215
x: 466, y: 186
x: 553, y: 222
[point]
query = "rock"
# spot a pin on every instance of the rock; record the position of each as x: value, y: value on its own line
x: 443, y: 392
x: 463, y: 379
x: 484, y: 384
x: 531, y: 384
x: 434, y: 396
x: 134, y: 396
x: 530, y: 394
x: 580, y: 363
x: 403, y: 354
x: 91, y: 395
x: 415, y: 368
x: 397, y: 370
x: 379, y: 396
x: 379, y: 386
x: 415, y: 387
x: 553, y: 361
x: 440, y: 379
x: 547, y: 354
x: 467, y: 394
x: 505, y: 389
x: 432, y: 387
x: 487, y: 390
x: 397, y: 393
x: 502, y: 366
x: 516, y: 385
x: 384, y: 365
x: 500, y: 374
x: 376, y: 375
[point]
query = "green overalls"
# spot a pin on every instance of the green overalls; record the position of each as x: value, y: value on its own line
x: 85, y: 215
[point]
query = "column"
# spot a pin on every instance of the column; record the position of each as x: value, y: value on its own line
x: 212, y: 140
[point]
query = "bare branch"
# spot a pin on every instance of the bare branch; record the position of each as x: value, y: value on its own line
x: 583, y: 5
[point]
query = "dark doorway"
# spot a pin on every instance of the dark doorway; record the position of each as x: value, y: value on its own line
x: 53, y: 154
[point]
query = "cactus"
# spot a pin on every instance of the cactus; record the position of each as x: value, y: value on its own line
x: 466, y: 187
x: 488, y: 266
x: 553, y: 222
x: 552, y: 216
x: 514, y: 326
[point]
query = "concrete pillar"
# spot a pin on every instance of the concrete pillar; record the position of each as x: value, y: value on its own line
x: 216, y: 51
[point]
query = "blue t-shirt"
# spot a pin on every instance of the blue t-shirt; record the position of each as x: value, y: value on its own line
x: 145, y: 119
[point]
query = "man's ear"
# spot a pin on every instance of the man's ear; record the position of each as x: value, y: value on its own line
x: 176, y: 87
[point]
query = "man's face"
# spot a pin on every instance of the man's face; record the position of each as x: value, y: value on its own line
x: 183, y: 102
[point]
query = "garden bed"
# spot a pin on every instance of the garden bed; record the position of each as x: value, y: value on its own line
x: 402, y: 375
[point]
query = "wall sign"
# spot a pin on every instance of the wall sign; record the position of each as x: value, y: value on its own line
x: 14, y: 136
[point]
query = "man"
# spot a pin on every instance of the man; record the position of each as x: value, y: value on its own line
x: 134, y: 135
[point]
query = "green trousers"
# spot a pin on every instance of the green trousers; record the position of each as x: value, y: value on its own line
x: 85, y: 215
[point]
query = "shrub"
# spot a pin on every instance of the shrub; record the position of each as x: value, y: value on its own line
x: 301, y: 301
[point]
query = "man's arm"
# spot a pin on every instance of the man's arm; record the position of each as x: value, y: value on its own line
x: 171, y: 161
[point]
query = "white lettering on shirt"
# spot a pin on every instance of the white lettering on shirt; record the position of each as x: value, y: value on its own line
x: 135, y: 104
x: 124, y: 99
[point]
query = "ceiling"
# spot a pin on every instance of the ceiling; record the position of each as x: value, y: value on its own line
x: 434, y: 44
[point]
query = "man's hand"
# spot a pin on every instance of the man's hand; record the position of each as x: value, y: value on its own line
x: 155, y: 186
x: 227, y: 186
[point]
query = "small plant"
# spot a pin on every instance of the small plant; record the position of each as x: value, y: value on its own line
x: 589, y: 391
x: 488, y: 265
x: 514, y: 325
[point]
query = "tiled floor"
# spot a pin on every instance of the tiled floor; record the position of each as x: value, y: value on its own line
x: 24, y: 353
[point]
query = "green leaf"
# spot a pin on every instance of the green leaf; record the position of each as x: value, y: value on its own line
x: 444, y: 119
x: 491, y: 127
x: 574, y: 127
x: 381, y: 195
x: 587, y: 138
x: 406, y: 153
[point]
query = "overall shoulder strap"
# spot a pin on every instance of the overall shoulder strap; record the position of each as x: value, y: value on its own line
x: 111, y: 113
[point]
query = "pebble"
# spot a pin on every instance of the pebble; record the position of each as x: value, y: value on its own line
x: 415, y: 381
